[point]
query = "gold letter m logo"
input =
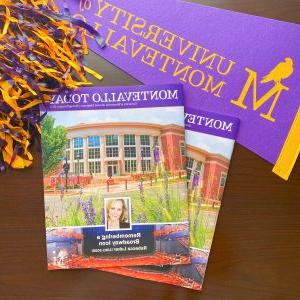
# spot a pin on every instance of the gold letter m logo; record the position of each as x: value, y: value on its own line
x: 275, y: 91
x: 282, y: 71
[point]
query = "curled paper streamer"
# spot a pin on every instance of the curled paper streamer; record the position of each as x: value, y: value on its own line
x: 40, y: 55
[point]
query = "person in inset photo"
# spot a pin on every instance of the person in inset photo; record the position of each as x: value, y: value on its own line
x: 117, y: 214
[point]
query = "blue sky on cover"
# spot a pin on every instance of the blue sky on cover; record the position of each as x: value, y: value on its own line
x: 210, y: 143
x: 159, y: 115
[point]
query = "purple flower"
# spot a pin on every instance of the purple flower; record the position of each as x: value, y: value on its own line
x: 141, y: 190
x: 145, y: 218
x: 195, y: 224
x: 139, y: 218
x: 161, y: 200
x: 198, y: 210
x: 166, y: 189
x: 167, y: 196
x: 159, y: 214
x: 89, y: 211
x: 103, y: 216
x: 166, y: 180
x: 197, y: 216
x: 160, y: 205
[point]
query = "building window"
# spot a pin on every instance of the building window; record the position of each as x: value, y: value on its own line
x: 129, y: 146
x: 94, y: 141
x: 79, y: 168
x: 198, y: 168
x: 111, y: 142
x: 130, y: 166
x: 189, y: 166
x: 145, y: 140
x: 155, y: 141
x: 112, y: 152
x: 94, y: 153
x: 129, y: 140
x: 95, y: 167
x: 78, y: 148
x: 182, y: 148
x: 189, y: 162
x: 130, y: 152
x: 78, y: 142
x: 78, y: 154
x: 223, y: 180
x: 145, y: 146
x: 146, y: 165
x: 146, y: 152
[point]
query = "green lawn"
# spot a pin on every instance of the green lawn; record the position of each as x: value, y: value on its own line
x: 152, y: 205
x: 202, y: 226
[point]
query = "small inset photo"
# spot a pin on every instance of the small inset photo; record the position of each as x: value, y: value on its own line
x: 117, y: 213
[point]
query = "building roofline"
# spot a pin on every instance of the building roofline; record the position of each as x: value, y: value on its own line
x: 219, y: 156
x: 174, y: 128
x: 198, y: 150
x: 209, y: 155
x: 125, y: 124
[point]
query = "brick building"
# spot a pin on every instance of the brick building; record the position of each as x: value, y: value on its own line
x: 119, y: 149
x: 207, y: 173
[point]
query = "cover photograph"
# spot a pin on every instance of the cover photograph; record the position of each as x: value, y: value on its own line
x: 114, y: 177
x: 210, y: 140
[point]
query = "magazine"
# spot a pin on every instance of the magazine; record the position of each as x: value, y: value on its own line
x: 210, y: 140
x: 114, y: 177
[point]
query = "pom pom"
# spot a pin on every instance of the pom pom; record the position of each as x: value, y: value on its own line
x: 40, y: 55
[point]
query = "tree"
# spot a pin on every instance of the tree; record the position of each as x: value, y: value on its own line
x: 54, y: 141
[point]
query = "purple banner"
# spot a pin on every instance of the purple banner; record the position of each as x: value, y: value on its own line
x: 211, y: 123
x: 196, y: 180
x: 156, y: 155
x: 125, y: 97
x: 230, y: 63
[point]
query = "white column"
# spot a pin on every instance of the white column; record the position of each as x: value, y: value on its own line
x: 138, y: 154
x: 71, y: 161
x: 151, y: 152
x: 102, y: 154
x: 85, y: 155
x: 121, y: 155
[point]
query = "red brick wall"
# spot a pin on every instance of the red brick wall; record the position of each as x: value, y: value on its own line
x: 171, y: 150
x: 213, y: 170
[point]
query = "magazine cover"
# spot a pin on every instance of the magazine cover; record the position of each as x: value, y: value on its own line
x: 210, y: 140
x: 114, y: 178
